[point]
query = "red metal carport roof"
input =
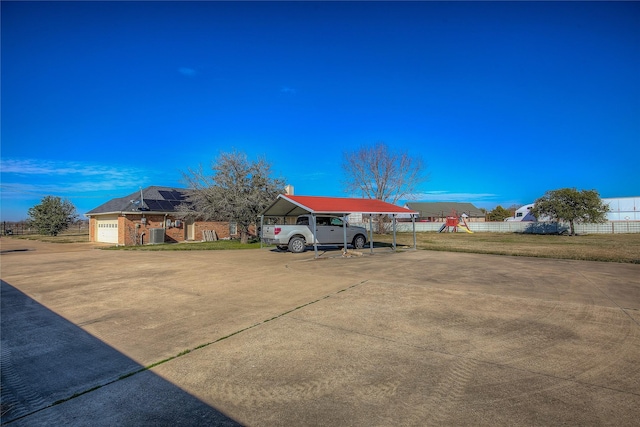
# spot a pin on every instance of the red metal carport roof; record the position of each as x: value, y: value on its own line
x: 300, y: 205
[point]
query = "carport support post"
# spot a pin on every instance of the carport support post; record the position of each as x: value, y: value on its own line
x: 261, y: 228
x: 413, y: 223
x: 315, y: 232
x: 371, y: 233
x: 344, y: 229
x: 394, y: 231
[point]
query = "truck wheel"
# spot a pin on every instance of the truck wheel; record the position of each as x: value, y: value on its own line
x: 359, y: 241
x: 296, y: 245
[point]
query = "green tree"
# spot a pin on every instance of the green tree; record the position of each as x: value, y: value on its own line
x: 499, y: 214
x: 236, y: 190
x: 571, y: 205
x: 52, y: 215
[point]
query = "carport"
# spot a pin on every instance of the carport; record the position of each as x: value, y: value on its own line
x: 293, y: 206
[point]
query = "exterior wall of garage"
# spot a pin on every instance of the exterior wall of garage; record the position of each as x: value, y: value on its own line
x: 121, y: 231
x: 133, y: 230
x: 92, y: 229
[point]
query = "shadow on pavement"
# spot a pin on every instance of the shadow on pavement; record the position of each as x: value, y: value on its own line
x: 55, y: 373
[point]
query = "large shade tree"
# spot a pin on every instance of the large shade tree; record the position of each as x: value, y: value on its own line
x: 572, y: 206
x: 235, y: 189
x: 499, y: 214
x: 378, y: 172
x: 52, y: 216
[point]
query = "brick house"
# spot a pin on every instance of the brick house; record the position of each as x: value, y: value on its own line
x: 150, y: 216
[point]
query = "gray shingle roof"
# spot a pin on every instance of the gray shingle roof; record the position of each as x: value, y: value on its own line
x: 442, y: 209
x: 154, y: 198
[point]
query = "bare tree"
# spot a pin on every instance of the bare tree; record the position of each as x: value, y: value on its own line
x: 236, y: 190
x: 376, y: 172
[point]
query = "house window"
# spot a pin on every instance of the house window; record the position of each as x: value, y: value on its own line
x: 233, y: 228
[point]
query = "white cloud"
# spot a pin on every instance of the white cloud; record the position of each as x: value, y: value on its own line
x: 444, y: 196
x: 35, y: 167
x: 288, y: 90
x: 48, y: 167
x: 80, y: 190
x: 32, y: 177
x: 186, y: 71
x: 313, y: 176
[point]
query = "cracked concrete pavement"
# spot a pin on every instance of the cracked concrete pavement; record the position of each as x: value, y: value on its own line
x: 264, y: 338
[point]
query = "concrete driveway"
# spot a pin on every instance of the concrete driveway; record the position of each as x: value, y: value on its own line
x: 265, y: 338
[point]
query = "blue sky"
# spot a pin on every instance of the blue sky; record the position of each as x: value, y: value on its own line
x: 503, y: 101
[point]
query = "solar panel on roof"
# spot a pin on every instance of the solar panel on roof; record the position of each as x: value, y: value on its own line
x: 171, y: 195
x: 152, y: 204
x: 167, y: 195
x: 165, y: 205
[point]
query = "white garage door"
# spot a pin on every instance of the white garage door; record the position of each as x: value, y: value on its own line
x: 107, y: 230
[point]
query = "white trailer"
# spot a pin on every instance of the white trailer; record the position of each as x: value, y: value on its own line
x: 523, y: 214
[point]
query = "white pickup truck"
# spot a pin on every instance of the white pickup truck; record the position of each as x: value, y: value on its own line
x: 329, y: 231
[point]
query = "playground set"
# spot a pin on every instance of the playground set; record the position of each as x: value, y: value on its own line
x: 455, y: 222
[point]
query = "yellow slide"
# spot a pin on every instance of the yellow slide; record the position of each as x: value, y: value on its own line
x: 465, y: 228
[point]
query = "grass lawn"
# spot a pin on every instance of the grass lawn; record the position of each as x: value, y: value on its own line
x: 592, y: 247
x: 190, y: 246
